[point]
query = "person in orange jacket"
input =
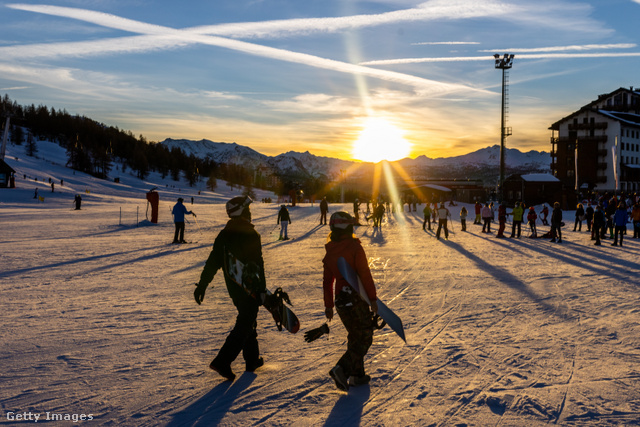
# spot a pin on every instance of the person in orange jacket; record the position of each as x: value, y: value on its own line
x: 356, y: 315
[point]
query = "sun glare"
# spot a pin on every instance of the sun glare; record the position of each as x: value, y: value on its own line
x: 380, y: 140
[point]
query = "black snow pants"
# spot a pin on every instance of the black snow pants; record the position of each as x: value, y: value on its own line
x: 243, y: 337
x: 357, y: 319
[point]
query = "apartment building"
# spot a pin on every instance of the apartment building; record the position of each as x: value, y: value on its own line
x: 597, y: 148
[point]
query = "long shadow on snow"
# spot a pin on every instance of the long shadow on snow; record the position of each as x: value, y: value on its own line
x: 376, y: 235
x: 348, y: 409
x: 97, y: 257
x: 505, y: 277
x: 304, y: 236
x: 211, y: 408
x: 606, y: 260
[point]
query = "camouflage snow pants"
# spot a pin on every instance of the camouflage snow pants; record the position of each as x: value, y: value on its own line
x: 357, y: 319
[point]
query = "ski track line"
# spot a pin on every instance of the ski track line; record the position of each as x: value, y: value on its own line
x: 561, y: 297
x: 400, y: 370
x: 416, y: 355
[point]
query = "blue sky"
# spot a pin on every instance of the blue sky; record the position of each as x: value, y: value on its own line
x: 314, y: 75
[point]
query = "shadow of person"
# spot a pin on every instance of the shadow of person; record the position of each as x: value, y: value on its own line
x: 348, y: 409
x: 210, y: 409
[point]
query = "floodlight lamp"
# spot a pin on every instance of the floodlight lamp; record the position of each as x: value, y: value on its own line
x: 504, y: 62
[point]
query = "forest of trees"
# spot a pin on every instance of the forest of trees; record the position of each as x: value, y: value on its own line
x: 92, y: 146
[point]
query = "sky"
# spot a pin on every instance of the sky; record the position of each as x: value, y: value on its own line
x: 340, y: 78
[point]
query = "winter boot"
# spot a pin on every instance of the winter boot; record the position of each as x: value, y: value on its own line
x: 342, y: 382
x: 359, y: 380
x: 225, y: 371
x: 252, y: 366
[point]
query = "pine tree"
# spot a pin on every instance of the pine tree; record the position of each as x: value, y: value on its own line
x: 32, y: 147
x: 212, y: 182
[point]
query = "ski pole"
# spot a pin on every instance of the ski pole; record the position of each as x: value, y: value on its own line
x: 197, y: 225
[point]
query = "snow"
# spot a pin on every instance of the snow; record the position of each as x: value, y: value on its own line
x: 99, y: 319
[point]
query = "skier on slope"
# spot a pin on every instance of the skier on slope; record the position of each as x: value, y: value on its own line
x: 239, y: 238
x: 179, y: 211
x: 284, y: 220
x: 354, y: 312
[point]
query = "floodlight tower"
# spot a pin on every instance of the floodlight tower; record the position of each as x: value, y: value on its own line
x: 504, y: 63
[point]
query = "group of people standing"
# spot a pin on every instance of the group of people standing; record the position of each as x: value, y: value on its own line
x: 614, y: 217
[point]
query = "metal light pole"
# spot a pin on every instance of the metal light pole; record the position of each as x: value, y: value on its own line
x: 504, y: 64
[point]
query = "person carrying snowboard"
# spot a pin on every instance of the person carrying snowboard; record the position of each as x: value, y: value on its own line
x: 179, y: 210
x: 354, y: 312
x: 284, y: 220
x: 240, y: 239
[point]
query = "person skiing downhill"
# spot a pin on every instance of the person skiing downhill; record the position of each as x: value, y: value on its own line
x: 354, y: 312
x: 240, y: 239
x: 179, y: 211
x: 284, y: 220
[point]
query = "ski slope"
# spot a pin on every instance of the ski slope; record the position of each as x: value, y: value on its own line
x: 99, y: 318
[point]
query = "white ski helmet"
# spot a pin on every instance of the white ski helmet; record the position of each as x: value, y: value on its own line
x: 236, y: 206
x: 341, y: 221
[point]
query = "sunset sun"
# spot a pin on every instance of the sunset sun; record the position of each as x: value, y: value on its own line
x: 380, y: 140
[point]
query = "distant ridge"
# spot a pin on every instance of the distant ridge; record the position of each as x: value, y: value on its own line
x: 480, y: 164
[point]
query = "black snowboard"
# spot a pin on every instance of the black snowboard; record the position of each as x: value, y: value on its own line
x: 246, y: 275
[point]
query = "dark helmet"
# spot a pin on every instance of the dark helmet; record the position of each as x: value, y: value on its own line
x: 340, y: 221
x: 237, y: 205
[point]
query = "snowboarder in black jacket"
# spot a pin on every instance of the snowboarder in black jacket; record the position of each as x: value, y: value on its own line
x: 240, y: 239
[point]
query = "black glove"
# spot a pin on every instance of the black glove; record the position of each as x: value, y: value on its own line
x: 198, y: 294
x: 314, y: 334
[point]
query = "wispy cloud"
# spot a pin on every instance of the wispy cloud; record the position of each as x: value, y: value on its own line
x: 434, y: 88
x: 565, y: 48
x: 444, y: 43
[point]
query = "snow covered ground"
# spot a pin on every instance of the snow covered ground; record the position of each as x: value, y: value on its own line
x: 98, y: 318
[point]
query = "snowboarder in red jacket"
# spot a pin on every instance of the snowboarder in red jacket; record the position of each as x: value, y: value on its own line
x: 355, y: 313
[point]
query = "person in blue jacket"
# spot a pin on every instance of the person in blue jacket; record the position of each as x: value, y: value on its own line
x: 620, y: 219
x: 179, y: 211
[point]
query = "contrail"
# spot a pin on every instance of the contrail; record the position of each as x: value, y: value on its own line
x: 491, y: 58
x: 432, y: 87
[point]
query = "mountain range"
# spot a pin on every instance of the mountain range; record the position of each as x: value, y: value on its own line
x: 481, y: 164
